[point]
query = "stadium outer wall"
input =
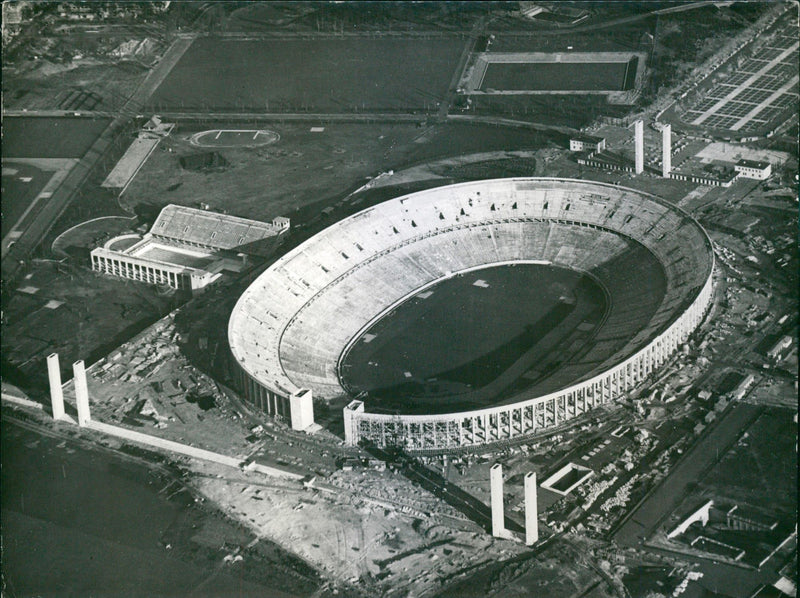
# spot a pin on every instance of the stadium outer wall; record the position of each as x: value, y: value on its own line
x: 495, y: 424
x: 510, y: 422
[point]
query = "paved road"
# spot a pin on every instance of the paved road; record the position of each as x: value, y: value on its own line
x: 658, y: 505
x: 367, y: 117
x: 447, y: 101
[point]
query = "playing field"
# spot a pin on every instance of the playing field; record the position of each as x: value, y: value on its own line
x: 334, y: 75
x: 561, y: 76
x: 463, y: 341
x: 50, y: 137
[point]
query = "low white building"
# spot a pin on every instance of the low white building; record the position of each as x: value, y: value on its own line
x: 587, y: 143
x: 751, y: 169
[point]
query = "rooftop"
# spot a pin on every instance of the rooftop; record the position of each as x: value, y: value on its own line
x: 753, y: 164
x: 586, y: 138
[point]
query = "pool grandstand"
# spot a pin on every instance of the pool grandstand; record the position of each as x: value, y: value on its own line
x: 188, y: 248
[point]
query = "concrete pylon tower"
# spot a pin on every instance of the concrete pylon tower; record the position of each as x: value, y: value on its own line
x: 81, y: 393
x: 666, y: 151
x: 531, y: 510
x: 638, y: 141
x: 301, y: 407
x: 498, y: 516
x: 56, y: 394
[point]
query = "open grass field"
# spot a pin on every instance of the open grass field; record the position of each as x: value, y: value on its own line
x: 108, y: 525
x: 308, y: 170
x: 761, y: 468
x: 21, y: 183
x: 50, y: 137
x: 561, y: 76
x: 292, y: 75
x: 93, y: 233
x: 464, y: 334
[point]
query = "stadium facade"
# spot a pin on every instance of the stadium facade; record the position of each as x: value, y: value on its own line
x: 290, y: 328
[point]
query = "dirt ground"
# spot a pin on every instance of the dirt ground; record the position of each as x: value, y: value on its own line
x: 74, y: 312
x: 367, y: 525
x: 53, y: 86
x: 351, y: 536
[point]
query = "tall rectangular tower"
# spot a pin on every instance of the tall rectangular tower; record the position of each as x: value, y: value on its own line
x: 638, y: 141
x: 81, y: 393
x: 56, y: 395
x: 531, y: 510
x: 301, y: 407
x: 666, y: 151
x: 498, y: 515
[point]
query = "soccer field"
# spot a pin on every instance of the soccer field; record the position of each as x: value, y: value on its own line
x: 468, y: 332
x: 291, y: 75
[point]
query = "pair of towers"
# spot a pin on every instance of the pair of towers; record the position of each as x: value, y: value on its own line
x: 57, y: 395
x: 498, y: 513
x: 301, y: 404
x: 666, y: 148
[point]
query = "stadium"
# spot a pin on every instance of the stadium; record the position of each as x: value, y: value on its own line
x: 620, y: 280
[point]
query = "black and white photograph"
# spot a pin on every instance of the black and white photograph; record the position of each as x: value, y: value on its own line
x: 396, y: 299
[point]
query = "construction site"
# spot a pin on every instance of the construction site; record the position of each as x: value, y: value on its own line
x: 231, y: 352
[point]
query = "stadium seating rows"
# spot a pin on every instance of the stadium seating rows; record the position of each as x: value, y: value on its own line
x: 291, y: 325
x: 207, y: 229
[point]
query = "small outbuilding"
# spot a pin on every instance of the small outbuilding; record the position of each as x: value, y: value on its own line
x: 587, y: 143
x: 751, y: 169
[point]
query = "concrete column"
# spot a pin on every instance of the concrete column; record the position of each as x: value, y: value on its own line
x: 56, y: 394
x: 498, y: 515
x: 531, y: 510
x: 351, y: 430
x: 638, y: 135
x: 666, y: 151
x: 81, y: 393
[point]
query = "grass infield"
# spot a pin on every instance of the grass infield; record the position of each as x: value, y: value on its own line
x: 467, y: 334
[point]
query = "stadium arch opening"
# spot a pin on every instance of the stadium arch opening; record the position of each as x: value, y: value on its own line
x: 292, y: 328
